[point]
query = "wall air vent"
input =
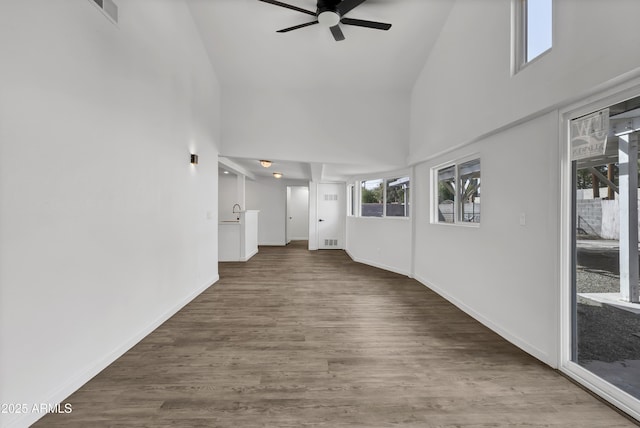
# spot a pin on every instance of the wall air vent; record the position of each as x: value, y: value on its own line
x: 330, y: 242
x: 330, y: 197
x: 109, y: 8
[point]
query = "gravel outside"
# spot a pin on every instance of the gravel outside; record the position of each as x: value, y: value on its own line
x: 608, y: 337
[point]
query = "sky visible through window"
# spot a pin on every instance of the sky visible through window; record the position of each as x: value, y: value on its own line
x: 539, y: 33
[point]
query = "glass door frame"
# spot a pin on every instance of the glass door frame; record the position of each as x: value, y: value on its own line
x: 594, y: 383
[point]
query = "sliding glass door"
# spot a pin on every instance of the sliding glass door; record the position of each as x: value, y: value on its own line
x: 605, y: 309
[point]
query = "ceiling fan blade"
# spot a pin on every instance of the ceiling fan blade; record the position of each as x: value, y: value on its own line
x: 288, y: 6
x: 368, y: 24
x: 347, y: 5
x: 337, y: 33
x: 306, y: 24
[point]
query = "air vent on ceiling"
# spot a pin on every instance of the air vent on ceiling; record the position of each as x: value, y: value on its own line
x: 109, y: 8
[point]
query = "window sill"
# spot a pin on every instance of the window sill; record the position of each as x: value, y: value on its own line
x: 383, y: 218
x: 466, y: 225
x: 527, y: 64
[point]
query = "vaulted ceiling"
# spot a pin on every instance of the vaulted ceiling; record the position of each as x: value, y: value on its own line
x: 246, y: 51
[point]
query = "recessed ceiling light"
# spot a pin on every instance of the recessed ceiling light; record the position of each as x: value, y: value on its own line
x: 277, y: 174
x: 226, y: 172
x: 265, y: 163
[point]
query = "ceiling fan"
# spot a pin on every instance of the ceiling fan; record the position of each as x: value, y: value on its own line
x: 331, y: 13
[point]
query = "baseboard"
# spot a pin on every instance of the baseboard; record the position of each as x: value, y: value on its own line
x: 504, y: 333
x: 378, y: 265
x: 77, y: 381
x: 271, y: 244
x: 253, y: 253
x: 507, y: 335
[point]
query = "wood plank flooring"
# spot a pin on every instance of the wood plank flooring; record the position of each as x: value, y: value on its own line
x: 294, y: 338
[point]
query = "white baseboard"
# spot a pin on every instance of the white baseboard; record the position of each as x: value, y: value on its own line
x: 253, y: 253
x: 378, y: 265
x: 506, y: 334
x: 75, y: 382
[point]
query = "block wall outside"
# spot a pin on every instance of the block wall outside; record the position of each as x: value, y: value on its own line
x: 599, y: 218
x: 589, y: 217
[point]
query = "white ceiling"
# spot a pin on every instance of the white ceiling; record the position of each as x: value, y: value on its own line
x: 246, y: 51
x: 296, y: 170
x: 289, y: 169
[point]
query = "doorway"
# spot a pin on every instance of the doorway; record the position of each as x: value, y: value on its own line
x: 604, y: 305
x: 297, y: 223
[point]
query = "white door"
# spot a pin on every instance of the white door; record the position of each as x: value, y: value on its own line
x: 297, y: 213
x: 331, y: 216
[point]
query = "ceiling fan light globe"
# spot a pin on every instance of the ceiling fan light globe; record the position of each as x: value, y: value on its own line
x: 329, y: 19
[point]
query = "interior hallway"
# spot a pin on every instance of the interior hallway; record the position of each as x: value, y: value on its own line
x: 296, y: 338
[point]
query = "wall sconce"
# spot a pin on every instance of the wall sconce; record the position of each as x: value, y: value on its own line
x: 277, y: 174
x: 265, y: 163
x: 194, y: 159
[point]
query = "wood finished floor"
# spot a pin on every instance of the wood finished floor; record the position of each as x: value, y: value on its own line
x: 294, y: 338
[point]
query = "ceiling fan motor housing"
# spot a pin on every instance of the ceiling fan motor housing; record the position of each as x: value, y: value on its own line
x: 328, y: 6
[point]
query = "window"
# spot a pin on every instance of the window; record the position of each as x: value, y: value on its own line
x: 446, y: 194
x: 372, y: 196
x: 533, y: 34
x: 397, y: 197
x: 458, y: 193
x: 469, y: 173
x: 385, y: 197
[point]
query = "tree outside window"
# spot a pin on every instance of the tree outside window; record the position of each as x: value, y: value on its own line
x: 372, y: 194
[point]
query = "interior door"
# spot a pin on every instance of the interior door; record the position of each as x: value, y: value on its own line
x: 331, y: 216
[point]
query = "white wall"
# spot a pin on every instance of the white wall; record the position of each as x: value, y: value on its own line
x: 227, y: 196
x: 380, y: 242
x: 269, y: 195
x: 466, y: 90
x: 326, y: 126
x: 106, y: 228
x: 502, y: 273
x: 313, y: 215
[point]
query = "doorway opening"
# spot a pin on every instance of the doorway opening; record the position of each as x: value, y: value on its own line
x: 297, y: 211
x: 604, y: 345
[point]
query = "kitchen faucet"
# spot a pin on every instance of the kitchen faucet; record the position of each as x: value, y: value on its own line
x: 237, y: 212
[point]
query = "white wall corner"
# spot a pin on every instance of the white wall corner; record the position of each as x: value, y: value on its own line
x: 379, y: 265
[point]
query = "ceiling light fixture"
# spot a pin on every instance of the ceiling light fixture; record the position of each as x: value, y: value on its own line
x: 329, y: 18
x: 265, y: 163
x: 277, y: 174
